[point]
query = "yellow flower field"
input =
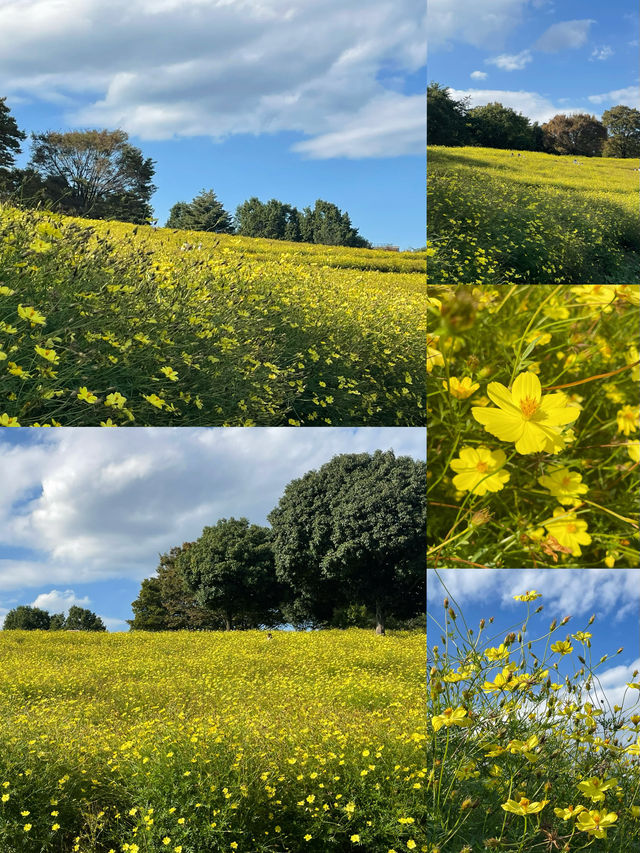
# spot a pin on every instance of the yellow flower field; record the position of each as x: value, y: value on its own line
x: 534, y: 218
x: 192, y: 742
x: 104, y: 323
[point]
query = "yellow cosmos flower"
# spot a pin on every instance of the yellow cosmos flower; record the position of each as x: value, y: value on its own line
x: 628, y: 418
x: 449, y: 717
x: 563, y: 484
x: 596, y: 823
x: 525, y: 416
x: 479, y: 470
x: 631, y: 357
x: 434, y: 356
x: 633, y: 449
x: 562, y: 647
x: 6, y: 421
x: 497, y: 654
x: 596, y: 295
x: 629, y: 292
x: 583, y: 637
x: 539, y: 337
x: 170, y: 373
x: 86, y: 395
x: 49, y: 354
x: 568, y: 529
x: 594, y: 788
x: 503, y: 681
x: 117, y: 400
x: 530, y: 595
x: 28, y: 312
x: 461, y: 389
x: 156, y: 401
x: 524, y: 806
x: 569, y: 812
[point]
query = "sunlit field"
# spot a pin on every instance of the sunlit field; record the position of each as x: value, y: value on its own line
x: 494, y: 219
x: 103, y: 323
x: 525, y: 754
x: 532, y: 426
x: 194, y: 741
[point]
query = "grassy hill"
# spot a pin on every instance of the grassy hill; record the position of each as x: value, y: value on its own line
x: 493, y: 218
x: 107, y: 323
x: 309, y: 741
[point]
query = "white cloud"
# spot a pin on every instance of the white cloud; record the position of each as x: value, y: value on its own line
x: 145, y: 490
x: 60, y: 602
x: 483, y: 25
x: 113, y: 624
x: 536, y: 107
x: 630, y: 96
x: 564, y: 36
x: 163, y: 69
x: 478, y: 75
x: 602, y: 53
x: 512, y: 62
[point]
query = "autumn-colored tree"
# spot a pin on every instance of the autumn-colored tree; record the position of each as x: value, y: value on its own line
x: 581, y: 135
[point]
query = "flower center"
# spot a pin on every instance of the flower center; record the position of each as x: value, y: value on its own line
x: 483, y: 467
x: 566, y: 482
x: 524, y: 802
x: 571, y: 528
x: 528, y: 406
x: 596, y: 818
x: 448, y: 712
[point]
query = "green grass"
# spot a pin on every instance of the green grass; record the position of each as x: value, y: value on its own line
x: 493, y: 218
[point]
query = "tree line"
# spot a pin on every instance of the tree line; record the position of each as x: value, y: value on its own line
x: 453, y: 122
x: 98, y: 174
x: 28, y: 618
x: 345, y: 547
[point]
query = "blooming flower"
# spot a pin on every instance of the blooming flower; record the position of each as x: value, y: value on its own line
x: 631, y: 357
x: 497, y: 654
x: 530, y: 595
x: 449, y: 717
x: 562, y: 647
x: 434, y: 356
x: 49, y: 354
x: 503, y: 681
x: 633, y: 449
x: 525, y: 416
x: 563, y: 484
x: 569, y: 812
x: 461, y: 389
x: 28, y: 312
x: 524, y: 806
x: 478, y: 470
x: 156, y: 401
x: 117, y: 400
x: 596, y: 295
x: 594, y: 788
x: 86, y: 395
x: 596, y: 823
x: 568, y: 529
x: 7, y: 421
x: 628, y: 418
x: 170, y: 373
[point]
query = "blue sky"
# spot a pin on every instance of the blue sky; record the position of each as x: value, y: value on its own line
x: 612, y: 595
x: 288, y: 99
x: 84, y: 512
x: 540, y: 57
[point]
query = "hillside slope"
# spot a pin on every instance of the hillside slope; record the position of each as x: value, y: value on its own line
x: 535, y: 218
x: 107, y: 323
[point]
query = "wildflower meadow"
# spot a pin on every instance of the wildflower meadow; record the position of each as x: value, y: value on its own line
x: 532, y: 426
x: 526, y: 751
x: 107, y: 324
x: 188, y: 742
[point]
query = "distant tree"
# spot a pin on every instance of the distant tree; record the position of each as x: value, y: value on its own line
x: 204, y: 213
x: 149, y: 614
x: 328, y: 225
x: 81, y: 619
x: 623, y: 124
x: 447, y: 119
x: 97, y: 172
x: 352, y: 532
x: 178, y: 600
x: 496, y: 126
x: 27, y: 618
x: 10, y: 137
x: 57, y: 622
x: 272, y: 220
x: 230, y: 568
x: 582, y: 135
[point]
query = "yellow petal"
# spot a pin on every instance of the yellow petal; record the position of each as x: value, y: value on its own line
x: 527, y: 385
x: 501, y: 397
x: 504, y: 426
x: 532, y: 439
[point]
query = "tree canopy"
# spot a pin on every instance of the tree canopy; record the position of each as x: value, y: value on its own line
x: 623, y: 125
x: 10, y: 136
x: 581, y: 135
x: 26, y: 618
x: 353, y: 531
x: 204, y: 213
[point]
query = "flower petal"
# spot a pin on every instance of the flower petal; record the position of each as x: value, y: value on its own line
x: 504, y: 426
x: 532, y: 439
x: 501, y: 396
x: 527, y: 385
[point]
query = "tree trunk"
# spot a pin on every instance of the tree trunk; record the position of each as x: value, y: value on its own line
x: 379, y: 618
x: 228, y: 621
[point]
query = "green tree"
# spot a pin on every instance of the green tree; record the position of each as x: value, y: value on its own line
x: 149, y: 614
x: 27, y: 618
x: 328, y: 225
x: 204, y: 213
x: 10, y: 137
x: 496, y: 126
x: 353, y: 532
x: 57, y: 622
x: 582, y: 135
x: 81, y: 619
x: 178, y: 600
x: 97, y: 172
x: 230, y: 568
x: 272, y: 220
x: 447, y: 119
x: 623, y: 125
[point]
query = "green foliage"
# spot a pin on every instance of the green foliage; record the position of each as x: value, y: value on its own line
x: 204, y: 213
x: 10, y: 138
x: 446, y: 118
x: 149, y: 613
x: 93, y: 173
x: 496, y: 126
x: 230, y: 568
x: 26, y: 618
x: 57, y: 622
x: 538, y: 218
x: 580, y: 134
x: 353, y: 531
x: 81, y: 619
x: 623, y: 124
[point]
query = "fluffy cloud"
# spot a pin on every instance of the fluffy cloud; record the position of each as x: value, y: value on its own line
x: 164, y: 68
x: 87, y: 505
x: 630, y: 96
x: 531, y: 104
x: 60, y: 602
x: 512, y: 62
x: 564, y: 36
x: 482, y: 24
x: 602, y: 52
x: 478, y: 75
